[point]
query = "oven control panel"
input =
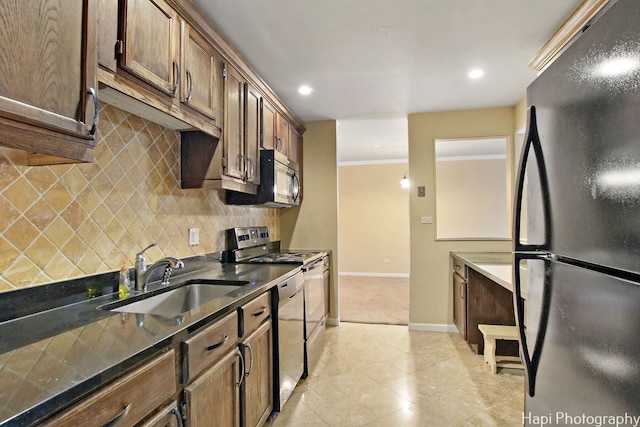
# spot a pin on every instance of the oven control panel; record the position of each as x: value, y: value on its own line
x: 246, y: 237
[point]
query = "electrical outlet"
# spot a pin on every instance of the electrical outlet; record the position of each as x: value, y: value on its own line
x: 387, y: 261
x: 194, y: 236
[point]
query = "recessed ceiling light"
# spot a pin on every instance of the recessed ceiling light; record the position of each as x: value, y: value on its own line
x: 377, y: 146
x: 305, y: 90
x: 476, y: 74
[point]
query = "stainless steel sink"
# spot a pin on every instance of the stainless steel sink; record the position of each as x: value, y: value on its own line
x: 174, y: 301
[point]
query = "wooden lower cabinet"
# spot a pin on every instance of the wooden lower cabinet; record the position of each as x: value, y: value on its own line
x: 257, y: 396
x: 169, y: 416
x: 460, y: 303
x: 213, y: 399
x: 126, y: 401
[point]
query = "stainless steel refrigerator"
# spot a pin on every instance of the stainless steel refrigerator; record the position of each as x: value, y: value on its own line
x: 577, y: 229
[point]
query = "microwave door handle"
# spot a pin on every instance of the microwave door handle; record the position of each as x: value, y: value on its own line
x: 295, y: 182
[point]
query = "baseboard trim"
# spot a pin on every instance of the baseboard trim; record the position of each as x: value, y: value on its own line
x: 403, y: 275
x: 332, y: 321
x: 433, y: 327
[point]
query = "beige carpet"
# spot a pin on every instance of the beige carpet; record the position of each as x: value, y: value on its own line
x: 374, y: 300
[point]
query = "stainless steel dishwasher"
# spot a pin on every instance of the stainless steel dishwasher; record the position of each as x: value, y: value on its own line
x: 314, y: 313
x: 289, y: 336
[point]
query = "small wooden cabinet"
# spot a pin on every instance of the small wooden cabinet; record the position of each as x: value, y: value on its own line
x: 202, y: 74
x: 282, y: 134
x: 257, y: 349
x: 127, y: 400
x: 48, y: 83
x: 460, y: 301
x: 213, y: 399
x: 295, y: 146
x: 150, y: 43
x: 268, y: 137
x: 241, y: 141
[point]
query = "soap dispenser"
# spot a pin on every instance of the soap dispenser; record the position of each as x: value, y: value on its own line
x: 124, y: 288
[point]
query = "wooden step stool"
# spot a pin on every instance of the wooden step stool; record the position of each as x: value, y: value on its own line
x: 491, y: 333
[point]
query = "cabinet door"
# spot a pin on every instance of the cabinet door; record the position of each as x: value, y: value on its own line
x: 234, y: 93
x: 268, y: 138
x: 49, y: 65
x: 213, y: 399
x: 151, y: 39
x: 169, y: 416
x: 282, y: 134
x: 295, y: 146
x: 258, y: 382
x: 201, y: 74
x: 460, y: 304
x: 252, y: 136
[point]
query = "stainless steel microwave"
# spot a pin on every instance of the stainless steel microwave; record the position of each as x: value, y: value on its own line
x: 279, y: 183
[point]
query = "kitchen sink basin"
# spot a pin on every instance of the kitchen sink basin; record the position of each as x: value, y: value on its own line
x: 175, y: 300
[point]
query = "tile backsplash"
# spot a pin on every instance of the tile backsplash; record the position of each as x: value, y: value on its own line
x: 66, y: 221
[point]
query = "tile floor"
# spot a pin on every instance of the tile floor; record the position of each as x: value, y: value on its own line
x: 386, y: 375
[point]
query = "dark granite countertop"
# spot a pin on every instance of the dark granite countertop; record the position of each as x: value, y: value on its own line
x: 52, y: 357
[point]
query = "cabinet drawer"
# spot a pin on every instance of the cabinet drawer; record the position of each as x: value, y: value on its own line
x: 207, y: 346
x: 253, y: 313
x: 460, y: 268
x: 127, y: 400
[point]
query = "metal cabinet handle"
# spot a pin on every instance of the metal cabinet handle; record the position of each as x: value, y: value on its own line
x: 261, y: 312
x: 461, y: 290
x: 219, y: 344
x: 96, y: 109
x: 176, y: 77
x: 118, y: 417
x: 190, y: 83
x: 248, y: 346
x: 176, y: 413
x: 239, y: 354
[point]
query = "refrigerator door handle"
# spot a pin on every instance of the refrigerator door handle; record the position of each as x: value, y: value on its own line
x: 532, y: 140
x: 530, y: 362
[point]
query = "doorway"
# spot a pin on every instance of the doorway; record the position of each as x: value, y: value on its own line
x: 373, y: 221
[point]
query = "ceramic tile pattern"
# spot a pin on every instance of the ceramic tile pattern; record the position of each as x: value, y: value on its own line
x: 387, y: 376
x: 66, y: 221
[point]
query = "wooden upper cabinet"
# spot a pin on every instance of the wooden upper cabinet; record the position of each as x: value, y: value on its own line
x: 268, y: 137
x: 295, y: 145
x: 282, y: 134
x: 151, y: 37
x: 252, y: 135
x: 48, y: 101
x: 202, y: 73
x: 233, y: 144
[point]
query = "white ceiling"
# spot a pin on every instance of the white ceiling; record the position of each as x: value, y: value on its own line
x: 383, y: 59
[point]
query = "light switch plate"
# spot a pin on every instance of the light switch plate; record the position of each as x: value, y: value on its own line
x: 426, y: 220
x: 421, y: 191
x: 194, y: 236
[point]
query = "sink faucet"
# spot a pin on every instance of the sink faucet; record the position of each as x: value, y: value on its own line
x: 143, y: 272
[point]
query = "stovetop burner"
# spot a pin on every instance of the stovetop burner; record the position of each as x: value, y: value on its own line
x: 284, y: 257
